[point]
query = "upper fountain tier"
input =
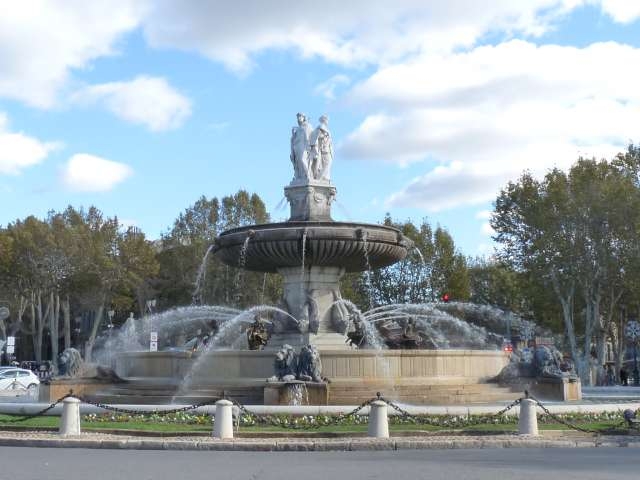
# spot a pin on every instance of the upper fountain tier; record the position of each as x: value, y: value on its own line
x: 273, y: 246
x: 310, y: 237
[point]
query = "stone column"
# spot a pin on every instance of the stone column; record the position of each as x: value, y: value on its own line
x: 309, y: 296
x: 528, y: 421
x: 70, y: 421
x: 310, y: 201
x: 378, y: 420
x: 223, y: 425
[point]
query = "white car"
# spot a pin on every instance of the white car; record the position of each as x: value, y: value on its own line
x: 18, y: 379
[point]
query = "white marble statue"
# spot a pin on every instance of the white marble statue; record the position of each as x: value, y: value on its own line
x: 321, y: 151
x: 300, y: 148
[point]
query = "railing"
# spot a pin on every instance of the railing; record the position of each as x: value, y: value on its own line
x: 629, y: 417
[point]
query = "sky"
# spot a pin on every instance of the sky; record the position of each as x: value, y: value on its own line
x: 139, y: 107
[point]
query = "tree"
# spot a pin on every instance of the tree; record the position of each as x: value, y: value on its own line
x: 433, y: 268
x: 184, y: 256
x: 577, y: 232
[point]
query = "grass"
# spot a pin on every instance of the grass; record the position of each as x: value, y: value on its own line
x: 182, y: 428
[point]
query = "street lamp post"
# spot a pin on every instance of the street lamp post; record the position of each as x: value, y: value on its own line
x: 632, y: 332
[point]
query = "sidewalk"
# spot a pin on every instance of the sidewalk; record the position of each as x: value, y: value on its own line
x: 98, y: 440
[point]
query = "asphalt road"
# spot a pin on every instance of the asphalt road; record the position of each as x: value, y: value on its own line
x: 18, y: 463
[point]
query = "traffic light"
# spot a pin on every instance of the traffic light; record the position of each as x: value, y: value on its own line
x: 445, y: 298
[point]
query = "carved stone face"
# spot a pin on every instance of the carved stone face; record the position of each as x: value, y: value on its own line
x: 301, y: 118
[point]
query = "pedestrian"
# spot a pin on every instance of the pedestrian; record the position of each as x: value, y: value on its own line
x: 624, y: 377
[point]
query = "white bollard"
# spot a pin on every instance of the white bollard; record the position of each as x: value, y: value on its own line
x: 378, y: 422
x: 528, y: 421
x: 223, y: 425
x: 70, y: 421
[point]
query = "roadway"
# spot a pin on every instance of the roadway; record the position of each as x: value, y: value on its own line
x: 18, y: 463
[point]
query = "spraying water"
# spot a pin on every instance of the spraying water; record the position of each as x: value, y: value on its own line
x: 227, y: 338
x: 365, y: 249
x: 242, y: 261
x: 201, y: 277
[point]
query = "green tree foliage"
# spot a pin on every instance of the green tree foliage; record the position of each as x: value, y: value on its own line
x: 438, y: 268
x: 72, y: 263
x: 576, y: 233
x: 184, y: 247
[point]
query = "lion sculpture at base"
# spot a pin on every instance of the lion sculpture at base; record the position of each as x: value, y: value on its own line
x: 291, y: 366
x: 285, y: 365
x: 71, y: 365
x: 545, y: 362
x: 309, y: 364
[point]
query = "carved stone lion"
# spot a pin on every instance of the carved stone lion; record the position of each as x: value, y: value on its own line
x: 285, y: 365
x: 71, y: 365
x: 547, y: 361
x: 309, y: 364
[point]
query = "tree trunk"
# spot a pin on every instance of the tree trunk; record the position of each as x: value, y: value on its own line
x: 66, y: 313
x: 16, y: 325
x: 618, y: 344
x: 88, y: 352
x: 54, y: 319
x: 566, y: 301
x: 40, y: 322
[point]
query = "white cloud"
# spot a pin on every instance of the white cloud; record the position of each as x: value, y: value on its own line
x: 19, y: 151
x: 41, y: 41
x: 88, y: 173
x: 489, y: 113
x: 622, y: 11
x: 149, y: 101
x: 349, y: 33
x: 328, y: 88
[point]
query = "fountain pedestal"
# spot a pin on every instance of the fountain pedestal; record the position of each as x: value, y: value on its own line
x: 310, y: 297
x: 296, y: 393
x: 310, y: 201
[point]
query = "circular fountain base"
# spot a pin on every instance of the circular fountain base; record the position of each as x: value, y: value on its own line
x: 415, y: 376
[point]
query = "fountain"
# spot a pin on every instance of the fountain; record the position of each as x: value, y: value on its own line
x: 312, y: 252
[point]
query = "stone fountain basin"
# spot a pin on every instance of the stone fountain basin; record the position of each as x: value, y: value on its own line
x: 328, y: 244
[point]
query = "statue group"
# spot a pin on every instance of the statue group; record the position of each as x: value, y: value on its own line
x: 311, y: 150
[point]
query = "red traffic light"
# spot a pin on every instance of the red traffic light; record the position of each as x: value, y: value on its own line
x: 445, y: 298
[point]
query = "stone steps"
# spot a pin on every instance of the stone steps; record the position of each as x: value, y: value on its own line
x: 155, y: 394
x: 339, y: 394
x: 429, y: 394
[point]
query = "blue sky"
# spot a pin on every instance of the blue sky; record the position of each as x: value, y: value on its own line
x: 139, y: 107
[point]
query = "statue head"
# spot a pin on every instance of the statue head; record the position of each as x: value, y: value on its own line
x: 302, y: 118
x: 324, y: 121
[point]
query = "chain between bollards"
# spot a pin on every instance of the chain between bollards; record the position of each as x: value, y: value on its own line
x: 43, y: 411
x: 273, y: 420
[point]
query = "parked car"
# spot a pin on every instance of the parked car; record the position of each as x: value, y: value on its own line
x: 17, y: 379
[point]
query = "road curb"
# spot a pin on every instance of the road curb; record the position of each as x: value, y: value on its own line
x: 309, y: 445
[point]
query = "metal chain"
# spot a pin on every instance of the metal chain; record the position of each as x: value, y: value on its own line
x: 276, y: 421
x: 558, y: 419
x: 147, y: 412
x: 421, y: 420
x: 41, y: 412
